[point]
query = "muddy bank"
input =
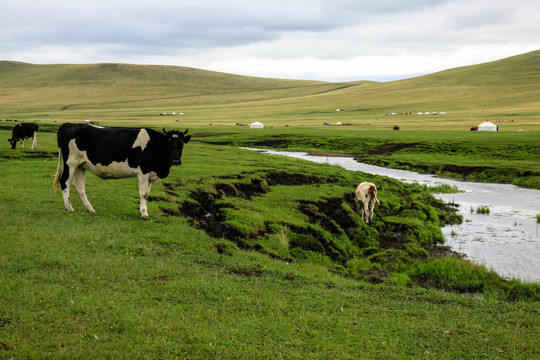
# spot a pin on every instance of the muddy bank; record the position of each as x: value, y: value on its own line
x: 462, y: 172
x: 205, y: 212
x: 334, y: 229
x: 19, y: 153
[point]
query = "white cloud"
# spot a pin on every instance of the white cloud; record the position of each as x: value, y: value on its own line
x: 313, y: 39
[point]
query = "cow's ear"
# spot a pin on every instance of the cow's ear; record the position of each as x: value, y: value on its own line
x: 186, y: 139
x: 164, y: 131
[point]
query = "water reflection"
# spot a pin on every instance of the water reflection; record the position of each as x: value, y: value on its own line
x: 506, y: 240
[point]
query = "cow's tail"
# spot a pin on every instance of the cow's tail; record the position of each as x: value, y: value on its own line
x: 58, y: 171
x: 373, y: 194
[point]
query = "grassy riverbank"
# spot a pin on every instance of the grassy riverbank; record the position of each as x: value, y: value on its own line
x: 511, y: 158
x: 244, y: 256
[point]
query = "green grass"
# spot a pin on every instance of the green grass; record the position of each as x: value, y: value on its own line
x: 110, y: 285
x: 482, y: 210
x: 443, y: 189
x: 294, y: 273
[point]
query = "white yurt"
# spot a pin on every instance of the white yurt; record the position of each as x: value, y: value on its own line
x: 487, y: 126
x: 256, y: 125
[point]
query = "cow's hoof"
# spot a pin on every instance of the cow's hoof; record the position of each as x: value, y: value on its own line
x: 145, y: 216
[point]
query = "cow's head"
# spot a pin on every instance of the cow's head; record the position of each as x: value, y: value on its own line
x: 13, y: 142
x: 175, y: 145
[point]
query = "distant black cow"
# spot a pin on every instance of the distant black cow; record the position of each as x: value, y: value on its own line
x: 114, y: 153
x: 23, y: 131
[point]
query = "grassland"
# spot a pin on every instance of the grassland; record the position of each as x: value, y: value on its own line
x: 505, y: 92
x: 250, y: 256
x: 278, y: 265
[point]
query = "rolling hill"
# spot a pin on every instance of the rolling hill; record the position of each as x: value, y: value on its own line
x: 506, y: 90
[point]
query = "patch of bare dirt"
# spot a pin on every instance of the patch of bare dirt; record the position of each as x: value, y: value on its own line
x: 390, y: 148
x: 28, y: 154
x: 440, y: 251
x: 205, y: 212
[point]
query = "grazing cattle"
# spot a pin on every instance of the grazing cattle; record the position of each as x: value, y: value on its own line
x: 396, y: 127
x: 366, y: 195
x: 23, y: 131
x: 114, y: 153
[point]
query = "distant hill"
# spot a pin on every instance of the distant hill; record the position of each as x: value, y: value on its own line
x: 498, y: 89
x: 170, y: 78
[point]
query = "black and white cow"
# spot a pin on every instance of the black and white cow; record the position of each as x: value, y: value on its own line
x: 23, y: 131
x: 114, y: 153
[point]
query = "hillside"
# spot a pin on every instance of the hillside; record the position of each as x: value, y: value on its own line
x: 504, y: 90
x: 170, y: 79
x: 86, y: 85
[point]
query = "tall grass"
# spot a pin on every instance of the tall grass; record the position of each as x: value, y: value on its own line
x: 482, y: 210
x: 456, y: 275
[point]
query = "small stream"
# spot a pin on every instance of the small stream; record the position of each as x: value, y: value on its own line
x: 506, y: 240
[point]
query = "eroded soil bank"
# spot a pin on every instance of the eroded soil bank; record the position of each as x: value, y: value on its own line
x: 405, y: 229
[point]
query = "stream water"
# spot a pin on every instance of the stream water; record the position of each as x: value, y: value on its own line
x: 506, y: 240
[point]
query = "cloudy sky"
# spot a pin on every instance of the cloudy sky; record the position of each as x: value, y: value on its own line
x: 332, y: 40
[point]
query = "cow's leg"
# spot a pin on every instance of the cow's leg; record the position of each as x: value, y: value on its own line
x: 22, y: 143
x: 65, y: 183
x: 366, y: 212
x: 371, y: 206
x: 35, y: 140
x: 79, y: 180
x: 144, y: 192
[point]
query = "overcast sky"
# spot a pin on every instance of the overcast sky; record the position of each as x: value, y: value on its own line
x: 332, y: 40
